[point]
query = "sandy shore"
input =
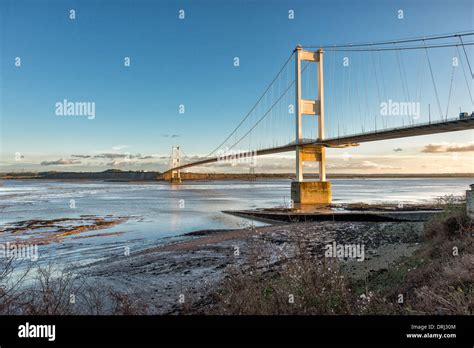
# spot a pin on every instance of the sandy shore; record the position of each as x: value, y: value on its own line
x: 195, y: 267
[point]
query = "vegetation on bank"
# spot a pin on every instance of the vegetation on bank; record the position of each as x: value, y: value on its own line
x: 437, y: 279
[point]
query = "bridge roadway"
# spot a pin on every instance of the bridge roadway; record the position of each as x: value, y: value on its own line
x: 451, y: 125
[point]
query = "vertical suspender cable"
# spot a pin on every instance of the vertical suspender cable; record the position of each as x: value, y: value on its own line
x: 433, y: 80
x: 465, y: 76
x: 450, y: 89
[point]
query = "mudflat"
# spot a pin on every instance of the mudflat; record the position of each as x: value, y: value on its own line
x: 194, y: 267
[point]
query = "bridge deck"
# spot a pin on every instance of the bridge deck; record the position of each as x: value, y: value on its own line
x: 452, y: 125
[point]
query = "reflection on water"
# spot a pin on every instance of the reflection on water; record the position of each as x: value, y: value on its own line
x: 159, y: 210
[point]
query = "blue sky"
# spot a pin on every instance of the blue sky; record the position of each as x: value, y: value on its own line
x: 177, y: 62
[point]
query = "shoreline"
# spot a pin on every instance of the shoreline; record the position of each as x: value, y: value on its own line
x: 155, y: 177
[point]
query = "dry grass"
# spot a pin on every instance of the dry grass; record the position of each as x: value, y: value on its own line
x: 439, y: 278
x: 46, y: 290
x: 301, y: 285
x: 297, y: 289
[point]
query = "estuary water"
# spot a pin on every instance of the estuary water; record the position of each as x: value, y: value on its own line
x: 160, y: 212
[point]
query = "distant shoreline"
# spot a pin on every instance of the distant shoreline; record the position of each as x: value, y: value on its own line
x: 142, y: 176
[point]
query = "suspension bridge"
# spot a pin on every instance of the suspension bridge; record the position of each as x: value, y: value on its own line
x: 336, y: 96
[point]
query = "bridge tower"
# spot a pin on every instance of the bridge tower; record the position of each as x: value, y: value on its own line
x: 310, y: 192
x: 175, y: 161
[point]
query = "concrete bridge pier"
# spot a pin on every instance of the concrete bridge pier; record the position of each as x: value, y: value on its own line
x: 175, y: 177
x: 310, y: 193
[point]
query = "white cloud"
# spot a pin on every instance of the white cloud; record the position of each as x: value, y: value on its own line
x: 120, y: 147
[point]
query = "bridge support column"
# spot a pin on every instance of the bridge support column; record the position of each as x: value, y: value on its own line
x: 310, y: 192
